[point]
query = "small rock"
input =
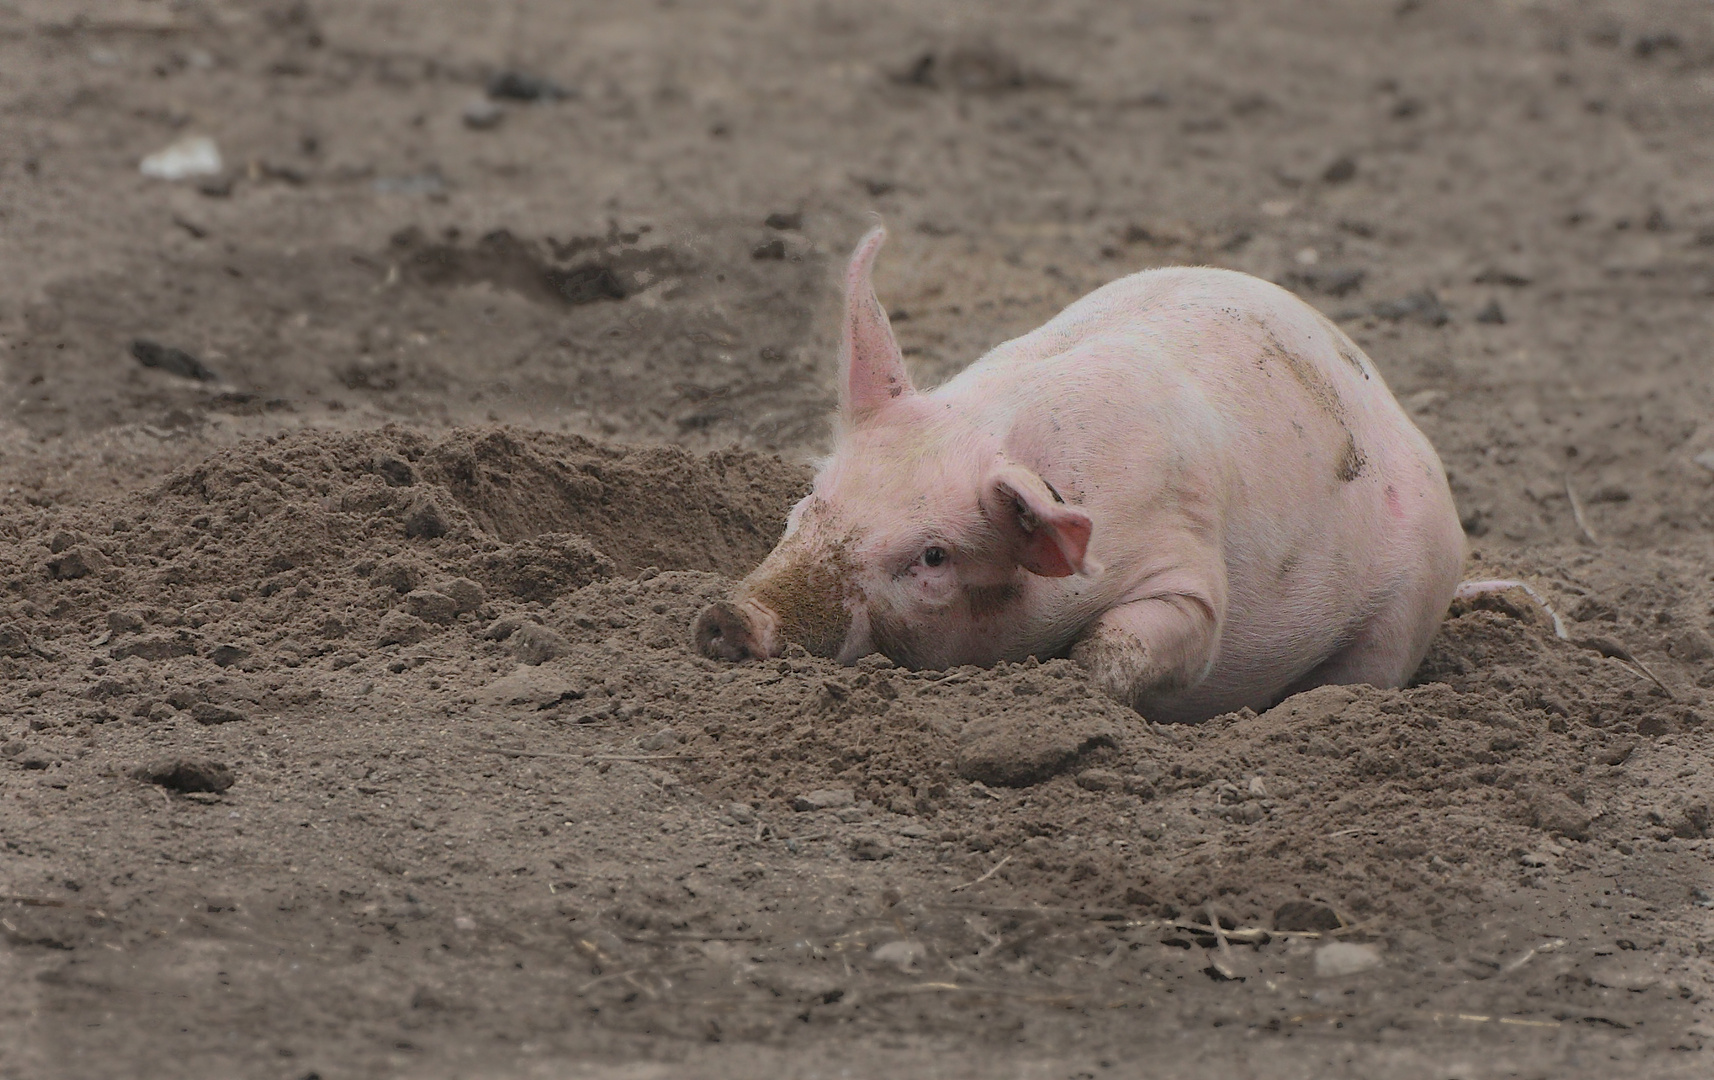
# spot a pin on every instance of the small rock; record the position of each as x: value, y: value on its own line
x: 160, y: 711
x: 1705, y: 459
x: 522, y: 86
x: 481, y: 114
x: 870, y: 849
x: 62, y: 540
x: 464, y: 923
x: 1494, y: 275
x: 187, y: 775
x: 1493, y: 314
x: 1341, y: 170
x: 1535, y: 859
x: 398, y: 628
x: 824, y: 799
x: 903, y: 955
x: 1423, y: 306
x: 772, y: 249
x: 1555, y: 813
x: 660, y: 740
x: 534, y: 643
x: 1100, y: 780
x: 784, y: 222
x: 1305, y: 916
x: 915, y: 831
x: 152, y: 354
x: 193, y: 155
x: 431, y: 606
x: 850, y: 815
x: 465, y: 593
x: 207, y: 712
x: 742, y: 813
x: 1339, y: 958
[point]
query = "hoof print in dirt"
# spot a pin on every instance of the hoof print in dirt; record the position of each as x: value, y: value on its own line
x: 187, y: 775
x: 1017, y: 751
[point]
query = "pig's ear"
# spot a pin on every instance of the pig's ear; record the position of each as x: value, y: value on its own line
x: 872, y: 372
x: 1045, y: 535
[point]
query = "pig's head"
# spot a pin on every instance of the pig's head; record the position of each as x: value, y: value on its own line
x: 919, y: 536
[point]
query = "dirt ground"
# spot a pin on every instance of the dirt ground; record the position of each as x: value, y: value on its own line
x: 350, y: 725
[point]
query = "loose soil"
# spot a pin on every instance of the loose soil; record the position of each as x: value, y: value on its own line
x: 350, y: 725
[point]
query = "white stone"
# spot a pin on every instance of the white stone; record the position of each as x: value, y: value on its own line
x: 1345, y: 958
x: 193, y: 155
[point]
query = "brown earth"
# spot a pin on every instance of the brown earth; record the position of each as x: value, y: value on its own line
x: 350, y: 725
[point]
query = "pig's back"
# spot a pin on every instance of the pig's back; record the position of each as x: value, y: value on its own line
x: 1196, y: 386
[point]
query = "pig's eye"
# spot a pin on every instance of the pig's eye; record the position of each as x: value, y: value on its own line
x: 934, y: 556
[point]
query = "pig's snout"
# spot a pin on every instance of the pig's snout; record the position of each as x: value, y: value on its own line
x: 725, y: 631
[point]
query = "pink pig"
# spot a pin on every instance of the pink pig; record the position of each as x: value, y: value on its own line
x: 1189, y: 481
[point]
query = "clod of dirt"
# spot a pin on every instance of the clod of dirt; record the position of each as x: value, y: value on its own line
x: 784, y: 221
x: 14, y: 642
x: 1028, y: 747
x: 1492, y: 314
x: 206, y: 712
x: 152, y: 354
x: 825, y: 799
x: 543, y: 567
x: 156, y: 647
x: 399, y: 628
x: 1554, y: 812
x: 533, y: 643
x: 534, y: 686
x: 1305, y: 916
x: 186, y: 775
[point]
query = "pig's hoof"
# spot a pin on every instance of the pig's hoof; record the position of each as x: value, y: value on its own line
x: 723, y: 633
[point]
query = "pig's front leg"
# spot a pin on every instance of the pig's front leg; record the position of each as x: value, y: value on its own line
x: 1151, y: 649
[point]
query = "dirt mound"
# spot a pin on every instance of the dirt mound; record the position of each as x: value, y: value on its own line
x: 305, y: 545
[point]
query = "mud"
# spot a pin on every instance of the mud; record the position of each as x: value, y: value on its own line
x: 351, y: 721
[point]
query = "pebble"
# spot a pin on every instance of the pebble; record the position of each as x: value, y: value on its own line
x: 901, y: 954
x: 193, y: 155
x: 467, y: 594
x: 742, y: 813
x: 850, y: 814
x: 522, y: 86
x: 480, y: 114
x: 870, y: 849
x: 1493, y: 314
x: 660, y: 740
x: 1705, y: 459
x: 1345, y: 958
x: 173, y: 361
x: 824, y: 799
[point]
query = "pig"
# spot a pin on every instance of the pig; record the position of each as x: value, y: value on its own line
x: 1189, y: 481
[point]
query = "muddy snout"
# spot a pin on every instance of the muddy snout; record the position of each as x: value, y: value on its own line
x: 724, y: 632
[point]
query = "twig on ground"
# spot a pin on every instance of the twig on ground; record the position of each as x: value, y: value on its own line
x: 1544, y: 947
x: 1577, y: 513
x: 1223, y: 962
x: 992, y: 870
